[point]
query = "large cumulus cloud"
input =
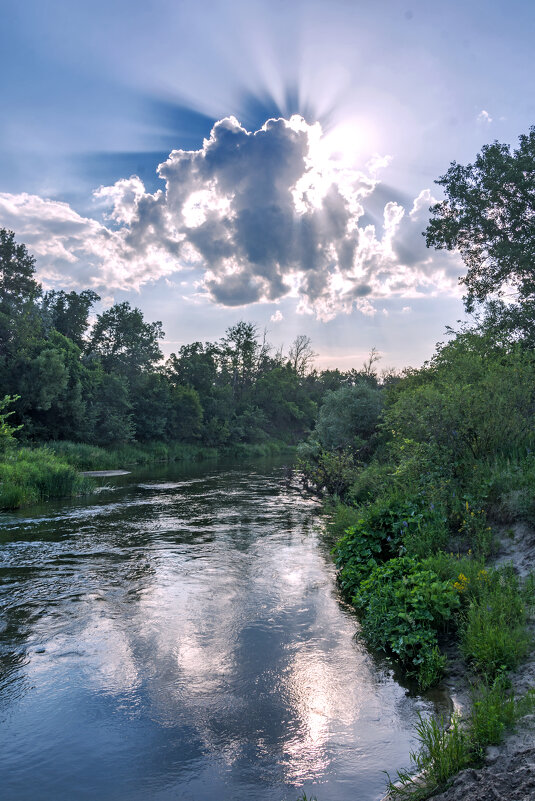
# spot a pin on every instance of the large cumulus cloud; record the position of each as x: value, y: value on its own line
x: 258, y: 215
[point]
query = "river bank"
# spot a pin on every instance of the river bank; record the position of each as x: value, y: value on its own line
x: 467, y: 610
x: 56, y: 470
x: 508, y: 769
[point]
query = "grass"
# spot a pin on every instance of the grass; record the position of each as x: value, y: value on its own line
x: 446, y: 747
x: 92, y: 457
x: 493, y: 636
x: 444, y: 750
x: 495, y: 710
x: 34, y: 475
x: 412, y: 527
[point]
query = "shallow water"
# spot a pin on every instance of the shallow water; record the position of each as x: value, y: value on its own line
x: 179, y: 636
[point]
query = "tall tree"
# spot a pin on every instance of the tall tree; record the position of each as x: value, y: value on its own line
x: 301, y: 354
x: 69, y: 312
x: 18, y: 292
x: 124, y: 342
x: 489, y: 216
x: 240, y: 349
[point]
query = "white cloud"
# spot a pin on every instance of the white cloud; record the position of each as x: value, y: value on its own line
x: 258, y: 216
x: 276, y: 317
x: 484, y: 117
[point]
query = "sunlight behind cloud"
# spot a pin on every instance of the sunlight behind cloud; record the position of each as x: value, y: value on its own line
x: 257, y: 215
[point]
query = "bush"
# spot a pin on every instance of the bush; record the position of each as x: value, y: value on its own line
x: 391, y: 526
x: 493, y: 634
x: 402, y: 607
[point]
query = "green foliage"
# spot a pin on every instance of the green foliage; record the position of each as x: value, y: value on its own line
x: 494, y: 635
x: 348, y: 416
x: 124, y: 342
x: 6, y: 430
x: 495, y: 709
x: 91, y: 457
x: 488, y: 216
x: 19, y: 292
x: 106, y: 385
x: 449, y: 567
x: 68, y: 312
x: 340, y: 518
x: 473, y: 401
x: 29, y: 476
x: 445, y: 748
x: 402, y: 606
x: 329, y: 471
x: 185, y: 414
x: 389, y: 527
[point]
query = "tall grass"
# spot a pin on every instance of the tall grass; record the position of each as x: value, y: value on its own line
x: 444, y: 750
x: 495, y: 709
x: 30, y: 476
x: 93, y: 457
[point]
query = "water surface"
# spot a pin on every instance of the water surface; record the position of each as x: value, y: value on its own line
x: 179, y: 636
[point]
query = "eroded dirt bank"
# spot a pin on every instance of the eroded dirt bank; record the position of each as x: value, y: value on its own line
x: 509, y: 770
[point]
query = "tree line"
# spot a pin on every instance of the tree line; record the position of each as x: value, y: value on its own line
x: 107, y: 383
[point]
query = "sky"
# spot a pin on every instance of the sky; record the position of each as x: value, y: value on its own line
x: 262, y: 160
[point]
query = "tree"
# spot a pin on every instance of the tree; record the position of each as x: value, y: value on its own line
x: 285, y: 401
x: 185, y: 414
x: 349, y: 416
x: 18, y: 292
x: 301, y: 354
x: 6, y: 430
x: 69, y: 312
x: 195, y: 366
x: 239, y: 352
x: 124, y: 341
x: 111, y: 410
x: 489, y: 216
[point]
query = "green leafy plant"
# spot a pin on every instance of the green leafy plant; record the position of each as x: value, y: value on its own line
x: 402, y: 606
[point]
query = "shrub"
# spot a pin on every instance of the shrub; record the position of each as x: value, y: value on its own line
x: 402, y: 607
x: 389, y: 527
x: 28, y: 476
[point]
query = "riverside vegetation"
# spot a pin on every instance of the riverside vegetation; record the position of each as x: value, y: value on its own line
x: 88, y: 397
x: 420, y: 469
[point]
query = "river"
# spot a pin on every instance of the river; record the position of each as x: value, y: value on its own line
x: 180, y: 636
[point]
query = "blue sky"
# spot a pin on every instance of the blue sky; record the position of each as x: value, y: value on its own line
x: 299, y: 228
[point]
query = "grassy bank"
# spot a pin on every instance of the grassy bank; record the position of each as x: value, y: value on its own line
x: 31, y: 475
x: 450, y: 464
x: 91, y: 457
x: 417, y: 566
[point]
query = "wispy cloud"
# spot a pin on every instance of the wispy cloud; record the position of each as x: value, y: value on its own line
x: 484, y: 117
